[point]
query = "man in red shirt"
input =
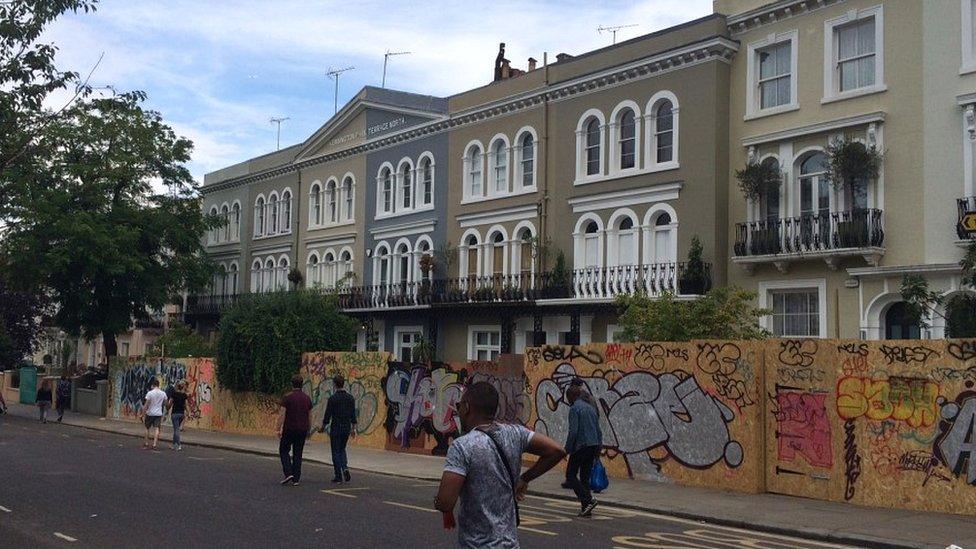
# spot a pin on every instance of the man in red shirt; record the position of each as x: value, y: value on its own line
x: 294, y: 426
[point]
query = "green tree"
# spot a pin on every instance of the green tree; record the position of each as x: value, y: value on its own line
x: 722, y: 313
x: 262, y: 338
x: 920, y: 301
x: 181, y: 341
x: 86, y: 228
x: 20, y: 325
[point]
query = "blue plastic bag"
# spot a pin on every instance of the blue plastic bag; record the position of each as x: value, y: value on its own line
x: 599, y: 481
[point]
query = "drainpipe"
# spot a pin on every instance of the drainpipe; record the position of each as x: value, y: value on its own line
x: 544, y: 147
x: 295, y: 215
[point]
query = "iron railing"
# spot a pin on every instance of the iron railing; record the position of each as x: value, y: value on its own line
x: 860, y: 228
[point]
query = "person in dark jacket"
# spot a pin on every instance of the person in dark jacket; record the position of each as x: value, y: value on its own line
x: 588, y: 398
x: 340, y: 418
x: 44, y: 399
x: 64, y: 396
x: 583, y: 444
x: 294, y: 426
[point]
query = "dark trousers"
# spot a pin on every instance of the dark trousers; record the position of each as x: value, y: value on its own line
x: 578, y: 472
x: 337, y: 442
x: 293, y: 443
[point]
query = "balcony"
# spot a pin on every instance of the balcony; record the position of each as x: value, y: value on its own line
x: 829, y: 237
x: 209, y: 304
x: 966, y: 222
x: 523, y: 287
x: 653, y: 280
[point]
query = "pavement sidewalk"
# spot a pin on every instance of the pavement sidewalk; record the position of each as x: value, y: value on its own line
x: 828, y: 521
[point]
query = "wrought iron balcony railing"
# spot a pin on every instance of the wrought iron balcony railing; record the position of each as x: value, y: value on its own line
x: 966, y: 222
x: 861, y: 228
x: 209, y: 303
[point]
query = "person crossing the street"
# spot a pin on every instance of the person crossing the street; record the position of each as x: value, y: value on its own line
x: 340, y: 419
x: 294, y: 426
x: 583, y: 444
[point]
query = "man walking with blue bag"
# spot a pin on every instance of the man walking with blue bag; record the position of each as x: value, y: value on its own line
x: 583, y: 444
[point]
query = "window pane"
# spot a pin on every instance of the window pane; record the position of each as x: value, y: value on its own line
x: 865, y: 36
x: 767, y: 64
x: 783, y: 90
x: 783, y: 58
x: 847, y: 42
x: 848, y: 75
x: 495, y: 336
x: 866, y: 71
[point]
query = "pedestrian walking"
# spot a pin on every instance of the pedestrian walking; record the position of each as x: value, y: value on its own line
x: 482, y: 471
x: 294, y: 426
x: 177, y: 411
x: 340, y: 419
x: 588, y: 398
x: 44, y: 399
x: 3, y: 404
x: 152, y: 408
x: 583, y: 444
x: 64, y: 395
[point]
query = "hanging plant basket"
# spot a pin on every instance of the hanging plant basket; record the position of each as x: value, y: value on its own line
x: 759, y: 178
x: 295, y: 277
x: 851, y: 163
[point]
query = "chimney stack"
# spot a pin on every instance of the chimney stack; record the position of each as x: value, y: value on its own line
x: 532, y: 63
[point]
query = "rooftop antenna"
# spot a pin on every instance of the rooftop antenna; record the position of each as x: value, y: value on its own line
x: 386, y: 57
x: 334, y: 74
x: 601, y: 29
x: 278, y: 121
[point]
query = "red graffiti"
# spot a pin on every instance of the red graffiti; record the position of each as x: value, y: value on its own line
x: 802, y: 428
x: 615, y: 352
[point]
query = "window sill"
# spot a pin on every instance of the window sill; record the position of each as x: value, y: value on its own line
x: 402, y: 213
x: 967, y: 68
x: 841, y: 96
x: 772, y: 111
x: 331, y: 225
x: 266, y: 236
x: 524, y: 191
x: 628, y: 173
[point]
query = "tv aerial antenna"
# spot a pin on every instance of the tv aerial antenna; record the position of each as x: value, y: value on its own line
x: 613, y: 30
x: 334, y: 74
x: 278, y: 122
x: 386, y: 57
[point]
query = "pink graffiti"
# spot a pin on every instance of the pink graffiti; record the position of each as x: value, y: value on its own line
x: 802, y: 428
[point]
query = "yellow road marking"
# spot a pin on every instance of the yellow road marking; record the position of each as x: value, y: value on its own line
x: 64, y: 537
x: 339, y: 492
x: 408, y: 506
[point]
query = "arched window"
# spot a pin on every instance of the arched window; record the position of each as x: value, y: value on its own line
x: 627, y: 139
x: 225, y: 216
x: 426, y: 175
x: 286, y: 212
x: 769, y: 199
x: 347, y: 196
x: 315, y: 205
x: 236, y: 221
x: 259, y: 216
x: 626, y: 241
x: 422, y: 249
x: 472, y: 162
x: 498, y: 255
x: 331, y: 204
x: 232, y: 279
x: 273, y: 205
x: 345, y: 265
x: 899, y: 325
x: 591, y: 245
x: 386, y: 190
x: 472, y: 256
x: 663, y: 233
x: 814, y: 187
x: 312, y: 271
x: 329, y: 270
x: 402, y: 256
x: 406, y: 186
x: 524, y: 254
x: 281, y: 277
x: 215, y: 232
x: 593, y: 153
x: 664, y: 132
x: 499, y: 167
x: 268, y: 276
x: 381, y: 273
x: 256, y: 276
x: 526, y: 160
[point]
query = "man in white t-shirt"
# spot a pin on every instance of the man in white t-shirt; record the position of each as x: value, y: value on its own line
x: 153, y: 410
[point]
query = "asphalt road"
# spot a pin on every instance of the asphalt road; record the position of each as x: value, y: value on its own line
x: 67, y: 486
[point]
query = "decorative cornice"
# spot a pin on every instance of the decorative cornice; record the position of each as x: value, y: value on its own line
x: 403, y: 229
x: 515, y: 213
x: 715, y: 48
x: 630, y: 197
x: 773, y: 13
x: 897, y: 270
x: 810, y: 129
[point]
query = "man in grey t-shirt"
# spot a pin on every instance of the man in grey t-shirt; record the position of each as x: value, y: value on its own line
x: 482, y: 470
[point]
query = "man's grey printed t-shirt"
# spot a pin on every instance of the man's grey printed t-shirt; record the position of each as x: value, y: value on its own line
x: 486, y: 511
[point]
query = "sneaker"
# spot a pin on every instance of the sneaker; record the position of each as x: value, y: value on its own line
x: 287, y: 479
x: 346, y: 476
x: 179, y: 447
x: 588, y: 509
x: 294, y: 483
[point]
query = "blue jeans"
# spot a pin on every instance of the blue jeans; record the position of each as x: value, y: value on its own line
x: 177, y: 420
x: 337, y: 442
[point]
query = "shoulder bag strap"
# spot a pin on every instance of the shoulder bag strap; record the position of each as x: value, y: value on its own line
x: 505, y: 463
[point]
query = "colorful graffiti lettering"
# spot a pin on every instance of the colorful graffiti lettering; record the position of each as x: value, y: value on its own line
x: 956, y: 445
x: 422, y: 400
x: 912, y: 400
x: 852, y: 461
x: 908, y: 354
x: 641, y: 412
x: 802, y: 428
x: 797, y: 352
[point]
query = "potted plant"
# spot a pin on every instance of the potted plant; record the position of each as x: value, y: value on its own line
x: 694, y: 280
x: 852, y: 165
x: 295, y: 277
x: 759, y: 178
x: 424, y: 351
x: 561, y: 276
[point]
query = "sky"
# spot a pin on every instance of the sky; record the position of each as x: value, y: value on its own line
x: 219, y: 70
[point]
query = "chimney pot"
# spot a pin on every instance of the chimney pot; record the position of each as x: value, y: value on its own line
x: 532, y: 63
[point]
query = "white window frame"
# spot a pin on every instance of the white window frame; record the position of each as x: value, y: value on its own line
x: 819, y: 284
x: 466, y: 165
x: 381, y: 210
x: 831, y: 79
x: 401, y: 330
x: 473, y: 349
x: 260, y: 215
x: 419, y: 203
x: 347, y: 201
x: 400, y: 189
x: 968, y: 37
x: 517, y: 186
x: 492, y: 179
x: 582, y: 177
x: 235, y: 212
x: 315, y: 193
x: 284, y: 225
x: 615, y: 149
x: 650, y: 123
x: 753, y: 96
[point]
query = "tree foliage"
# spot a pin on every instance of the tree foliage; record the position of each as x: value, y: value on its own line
x: 722, y: 313
x: 19, y: 325
x: 86, y: 228
x: 920, y: 301
x: 181, y: 341
x: 261, y: 339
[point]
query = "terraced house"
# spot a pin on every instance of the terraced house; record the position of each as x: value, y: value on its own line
x: 515, y: 213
